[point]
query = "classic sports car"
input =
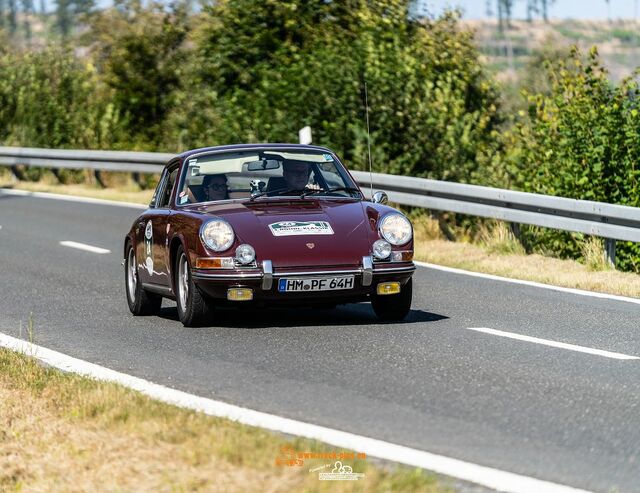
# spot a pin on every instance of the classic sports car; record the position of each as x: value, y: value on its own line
x: 266, y: 225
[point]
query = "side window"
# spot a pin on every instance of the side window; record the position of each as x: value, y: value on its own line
x: 166, y: 192
x: 155, y: 200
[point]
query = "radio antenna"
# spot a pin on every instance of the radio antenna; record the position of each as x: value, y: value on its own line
x: 366, y: 105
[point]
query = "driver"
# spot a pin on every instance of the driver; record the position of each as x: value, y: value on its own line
x: 295, y: 174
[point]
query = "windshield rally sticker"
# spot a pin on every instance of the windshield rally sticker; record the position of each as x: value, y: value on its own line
x: 294, y: 228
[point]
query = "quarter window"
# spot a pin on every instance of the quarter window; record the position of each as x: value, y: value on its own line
x: 166, y: 193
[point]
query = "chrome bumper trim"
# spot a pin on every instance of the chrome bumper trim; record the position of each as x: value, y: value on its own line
x: 216, y: 275
x: 394, y: 270
x: 367, y: 270
x: 267, y: 276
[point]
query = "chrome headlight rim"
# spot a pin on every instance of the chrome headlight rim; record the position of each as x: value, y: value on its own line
x: 239, y: 257
x: 224, y: 246
x: 377, y: 246
x: 383, y: 235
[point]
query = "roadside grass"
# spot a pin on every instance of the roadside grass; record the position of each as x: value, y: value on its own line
x: 62, y: 432
x: 125, y: 189
x: 491, y: 250
x: 496, y: 251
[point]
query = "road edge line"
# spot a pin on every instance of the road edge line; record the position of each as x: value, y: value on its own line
x: 70, y: 198
x: 467, y: 471
x: 534, y: 284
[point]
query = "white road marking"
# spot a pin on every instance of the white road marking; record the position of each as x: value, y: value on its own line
x: 70, y: 198
x: 547, y: 342
x: 83, y: 246
x: 581, y: 292
x: 467, y: 471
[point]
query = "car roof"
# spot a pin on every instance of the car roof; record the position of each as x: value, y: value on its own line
x: 235, y: 147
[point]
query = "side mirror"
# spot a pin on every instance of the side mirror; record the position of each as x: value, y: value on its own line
x: 380, y: 198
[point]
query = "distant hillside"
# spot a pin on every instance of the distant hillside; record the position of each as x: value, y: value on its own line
x: 618, y: 43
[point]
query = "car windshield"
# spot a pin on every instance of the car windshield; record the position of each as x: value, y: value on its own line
x: 258, y: 174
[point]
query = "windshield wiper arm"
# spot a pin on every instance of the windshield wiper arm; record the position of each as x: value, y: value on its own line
x: 280, y: 191
x: 329, y: 190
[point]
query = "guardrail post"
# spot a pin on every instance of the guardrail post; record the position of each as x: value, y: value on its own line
x: 444, y: 227
x: 610, y: 251
x: 56, y: 173
x: 99, y: 179
x: 136, y: 178
x: 17, y: 172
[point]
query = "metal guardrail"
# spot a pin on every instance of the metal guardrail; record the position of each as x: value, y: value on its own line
x: 613, y: 222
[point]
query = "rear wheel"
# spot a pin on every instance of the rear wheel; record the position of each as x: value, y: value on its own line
x: 393, y: 307
x: 193, y: 307
x: 140, y: 301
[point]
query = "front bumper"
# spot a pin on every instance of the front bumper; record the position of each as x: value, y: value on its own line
x: 264, y: 281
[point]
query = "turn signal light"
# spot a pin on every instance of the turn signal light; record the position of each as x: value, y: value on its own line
x: 214, y: 263
x: 388, y: 288
x: 406, y: 256
x: 240, y: 294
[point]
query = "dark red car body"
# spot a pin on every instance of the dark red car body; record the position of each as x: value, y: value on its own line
x: 177, y: 228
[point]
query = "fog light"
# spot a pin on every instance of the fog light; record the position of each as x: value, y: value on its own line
x: 214, y: 263
x: 388, y: 288
x: 239, y: 294
x: 406, y: 256
x: 381, y: 249
x: 245, y: 254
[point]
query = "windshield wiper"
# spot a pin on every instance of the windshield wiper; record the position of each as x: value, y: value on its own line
x: 329, y: 190
x: 280, y: 191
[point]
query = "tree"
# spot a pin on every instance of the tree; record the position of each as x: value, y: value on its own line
x: 27, y: 9
x: 266, y: 69
x: 64, y: 17
x: 13, y: 16
x: 140, y: 52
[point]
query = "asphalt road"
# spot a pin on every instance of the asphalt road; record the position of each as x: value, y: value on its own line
x: 428, y: 383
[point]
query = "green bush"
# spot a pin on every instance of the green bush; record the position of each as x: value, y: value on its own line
x: 579, y: 140
x: 265, y: 69
x: 50, y: 98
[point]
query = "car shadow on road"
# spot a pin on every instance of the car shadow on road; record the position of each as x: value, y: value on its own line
x: 352, y: 315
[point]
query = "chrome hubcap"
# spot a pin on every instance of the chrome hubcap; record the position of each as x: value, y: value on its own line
x: 132, y: 278
x: 183, y: 281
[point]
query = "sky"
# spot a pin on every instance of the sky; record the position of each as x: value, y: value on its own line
x: 563, y: 9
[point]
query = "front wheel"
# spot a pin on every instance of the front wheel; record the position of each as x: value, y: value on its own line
x: 140, y: 301
x: 393, y: 307
x: 193, y: 307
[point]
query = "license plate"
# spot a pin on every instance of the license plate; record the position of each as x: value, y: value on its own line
x: 316, y: 284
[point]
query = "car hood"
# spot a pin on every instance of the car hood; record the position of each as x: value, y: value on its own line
x: 329, y: 232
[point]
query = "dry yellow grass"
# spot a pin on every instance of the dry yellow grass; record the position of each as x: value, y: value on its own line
x: 126, y: 191
x: 64, y: 433
x: 499, y: 255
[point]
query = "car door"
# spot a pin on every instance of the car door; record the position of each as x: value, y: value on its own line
x: 152, y: 267
x: 160, y: 221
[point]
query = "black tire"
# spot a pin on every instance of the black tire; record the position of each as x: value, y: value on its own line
x: 140, y: 301
x: 393, y: 307
x: 194, y: 309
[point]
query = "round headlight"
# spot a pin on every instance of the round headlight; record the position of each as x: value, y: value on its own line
x: 381, y: 249
x: 245, y: 254
x: 396, y: 229
x: 217, y: 234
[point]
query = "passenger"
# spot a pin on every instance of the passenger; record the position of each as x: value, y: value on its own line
x: 214, y: 187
